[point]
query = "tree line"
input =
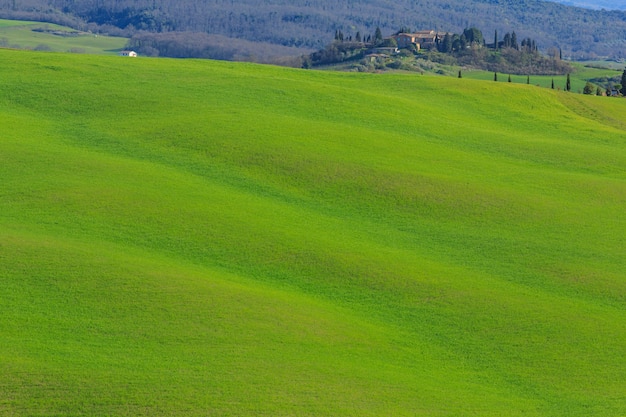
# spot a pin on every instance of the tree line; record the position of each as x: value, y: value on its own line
x: 469, y: 48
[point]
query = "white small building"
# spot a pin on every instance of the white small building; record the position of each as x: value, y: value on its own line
x: 128, y: 53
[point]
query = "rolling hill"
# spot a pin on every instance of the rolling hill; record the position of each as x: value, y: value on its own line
x: 188, y: 237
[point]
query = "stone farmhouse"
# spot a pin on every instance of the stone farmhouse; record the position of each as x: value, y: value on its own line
x: 422, y: 39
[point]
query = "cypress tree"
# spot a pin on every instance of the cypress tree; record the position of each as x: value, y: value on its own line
x: 507, y: 40
x: 460, y: 74
x: 446, y: 43
x: 495, y: 76
x: 509, y: 77
x: 378, y: 36
x: 553, y: 83
x: 568, y: 84
x: 623, y: 90
x: 528, y: 79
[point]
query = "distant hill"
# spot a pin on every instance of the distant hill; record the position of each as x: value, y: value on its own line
x: 596, y: 4
x: 311, y: 24
x: 50, y: 37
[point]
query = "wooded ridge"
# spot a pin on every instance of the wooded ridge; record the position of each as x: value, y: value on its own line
x: 310, y: 24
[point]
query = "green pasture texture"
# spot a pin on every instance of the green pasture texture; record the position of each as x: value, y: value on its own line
x: 19, y: 34
x: 591, y: 72
x: 610, y: 64
x: 199, y: 238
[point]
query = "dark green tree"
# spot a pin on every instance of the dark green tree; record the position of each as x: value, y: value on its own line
x: 357, y: 37
x: 624, y: 83
x: 514, y: 44
x: 390, y: 43
x: 568, y: 84
x: 553, y: 83
x: 473, y: 35
x: 507, y: 40
x: 378, y: 36
x: 509, y: 77
x: 598, y: 91
x: 460, y: 76
x: 459, y: 43
x: 588, y: 88
x: 495, y: 76
x: 528, y: 79
x: 446, y: 44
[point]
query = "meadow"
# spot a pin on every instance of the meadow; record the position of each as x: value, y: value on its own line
x: 203, y: 238
x: 21, y: 34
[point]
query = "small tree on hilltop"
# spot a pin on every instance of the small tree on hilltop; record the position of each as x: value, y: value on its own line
x: 588, y: 88
x: 378, y: 36
x: 473, y: 36
x: 624, y: 83
x: 446, y: 43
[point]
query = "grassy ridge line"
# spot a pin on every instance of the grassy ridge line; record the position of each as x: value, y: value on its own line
x: 418, y: 234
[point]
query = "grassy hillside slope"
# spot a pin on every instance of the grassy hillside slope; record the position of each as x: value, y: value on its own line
x: 19, y: 34
x: 209, y: 238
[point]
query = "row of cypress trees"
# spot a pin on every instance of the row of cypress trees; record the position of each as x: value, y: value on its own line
x: 568, y: 84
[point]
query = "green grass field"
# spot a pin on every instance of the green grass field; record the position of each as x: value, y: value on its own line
x: 200, y: 238
x: 18, y: 34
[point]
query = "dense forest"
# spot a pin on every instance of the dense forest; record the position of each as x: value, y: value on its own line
x: 310, y: 24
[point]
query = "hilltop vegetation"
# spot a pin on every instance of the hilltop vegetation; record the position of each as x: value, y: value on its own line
x: 310, y: 24
x: 468, y: 49
x: 189, y: 237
